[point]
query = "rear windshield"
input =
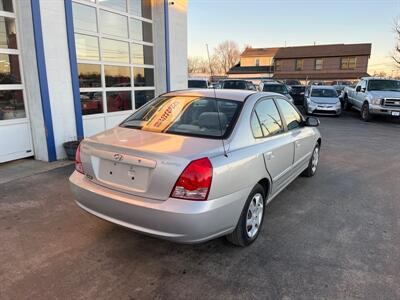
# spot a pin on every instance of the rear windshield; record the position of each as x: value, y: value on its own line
x: 329, y: 93
x: 236, y: 85
x: 187, y: 115
x: 275, y: 88
x: 384, y: 85
x: 197, y: 84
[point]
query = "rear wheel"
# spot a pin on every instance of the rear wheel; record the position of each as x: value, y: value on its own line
x: 250, y: 220
x: 365, y: 114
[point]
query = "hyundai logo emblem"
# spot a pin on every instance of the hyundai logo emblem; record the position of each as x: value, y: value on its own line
x: 118, y: 156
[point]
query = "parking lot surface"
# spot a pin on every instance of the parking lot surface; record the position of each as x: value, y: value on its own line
x: 333, y: 236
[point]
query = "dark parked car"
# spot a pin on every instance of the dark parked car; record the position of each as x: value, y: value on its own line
x: 238, y: 85
x: 292, y: 82
x: 297, y: 93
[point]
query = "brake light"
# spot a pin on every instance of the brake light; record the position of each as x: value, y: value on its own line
x: 195, y: 181
x: 78, y: 162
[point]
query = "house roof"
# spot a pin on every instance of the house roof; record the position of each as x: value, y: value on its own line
x: 259, y: 52
x: 251, y: 70
x: 320, y: 75
x: 324, y: 51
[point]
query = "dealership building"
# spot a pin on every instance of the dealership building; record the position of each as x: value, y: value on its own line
x: 73, y: 68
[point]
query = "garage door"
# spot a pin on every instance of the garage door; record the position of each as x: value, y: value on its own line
x: 15, y: 131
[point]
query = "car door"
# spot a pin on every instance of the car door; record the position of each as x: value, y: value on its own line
x: 302, y: 136
x: 359, y: 96
x: 275, y: 143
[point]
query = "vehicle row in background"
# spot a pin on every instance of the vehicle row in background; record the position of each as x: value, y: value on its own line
x: 322, y: 100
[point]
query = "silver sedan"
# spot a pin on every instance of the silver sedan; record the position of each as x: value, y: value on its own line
x: 193, y: 165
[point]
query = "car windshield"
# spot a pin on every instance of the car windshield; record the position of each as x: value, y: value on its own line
x: 236, y: 85
x: 384, y: 85
x: 187, y: 115
x: 197, y: 84
x: 329, y: 93
x: 275, y: 88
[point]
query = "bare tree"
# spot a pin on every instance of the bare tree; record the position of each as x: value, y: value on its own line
x: 197, y: 65
x: 226, y: 55
x: 396, y: 54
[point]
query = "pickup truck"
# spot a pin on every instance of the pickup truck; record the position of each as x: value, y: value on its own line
x: 374, y: 96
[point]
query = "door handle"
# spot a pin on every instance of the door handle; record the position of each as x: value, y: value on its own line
x: 269, y: 155
x: 297, y: 143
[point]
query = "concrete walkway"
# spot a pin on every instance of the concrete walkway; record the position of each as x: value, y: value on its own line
x: 27, y: 167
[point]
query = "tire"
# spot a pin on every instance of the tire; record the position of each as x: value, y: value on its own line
x: 346, y: 103
x: 313, y: 163
x: 365, y: 114
x: 246, y: 232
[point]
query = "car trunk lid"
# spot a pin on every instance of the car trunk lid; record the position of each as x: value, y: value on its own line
x: 142, y: 163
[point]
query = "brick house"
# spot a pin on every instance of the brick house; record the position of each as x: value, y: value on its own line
x: 316, y: 62
x: 322, y: 62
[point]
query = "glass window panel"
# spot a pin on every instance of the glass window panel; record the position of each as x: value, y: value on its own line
x: 89, y: 75
x: 141, y: 54
x: 113, y: 24
x: 84, y: 17
x: 6, y: 5
x: 12, y: 105
x: 9, y: 69
x: 115, y: 51
x: 117, y: 101
x: 141, y: 97
x: 117, y: 76
x: 92, y: 103
x: 292, y: 117
x: 141, y: 31
x: 87, y: 47
x: 141, y: 8
x: 115, y: 4
x: 269, y: 117
x: 8, y: 33
x: 143, y: 77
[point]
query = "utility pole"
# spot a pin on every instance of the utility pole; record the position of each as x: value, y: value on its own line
x: 209, y: 62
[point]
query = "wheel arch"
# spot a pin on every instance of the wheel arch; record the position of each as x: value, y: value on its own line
x: 266, y: 184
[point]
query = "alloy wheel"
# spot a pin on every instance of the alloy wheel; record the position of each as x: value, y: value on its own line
x: 315, y: 159
x: 254, y: 215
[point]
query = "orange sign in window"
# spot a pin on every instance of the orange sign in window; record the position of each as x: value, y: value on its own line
x: 167, y: 113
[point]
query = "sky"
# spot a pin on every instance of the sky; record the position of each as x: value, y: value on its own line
x: 272, y: 23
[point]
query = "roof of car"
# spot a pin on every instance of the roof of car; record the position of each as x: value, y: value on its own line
x: 322, y: 87
x: 237, y: 95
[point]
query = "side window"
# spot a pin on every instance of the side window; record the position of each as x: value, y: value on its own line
x: 269, y: 119
x: 292, y: 117
x: 363, y: 84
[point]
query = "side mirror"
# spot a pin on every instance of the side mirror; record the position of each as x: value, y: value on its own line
x: 363, y: 90
x: 312, y: 122
x: 358, y: 88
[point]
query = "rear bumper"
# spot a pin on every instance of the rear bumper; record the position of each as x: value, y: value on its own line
x: 173, y: 219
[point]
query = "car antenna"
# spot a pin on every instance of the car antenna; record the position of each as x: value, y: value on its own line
x: 216, y: 102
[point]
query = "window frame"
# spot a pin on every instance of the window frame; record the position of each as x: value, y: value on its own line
x: 102, y: 62
x: 17, y: 51
x: 296, y: 66
x: 277, y: 65
x: 254, y: 113
x: 321, y: 65
x: 345, y: 63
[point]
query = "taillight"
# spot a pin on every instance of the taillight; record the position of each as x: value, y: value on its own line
x: 195, y: 181
x: 78, y: 162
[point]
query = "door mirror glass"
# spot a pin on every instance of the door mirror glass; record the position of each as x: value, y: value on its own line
x: 312, y: 122
x: 358, y: 88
